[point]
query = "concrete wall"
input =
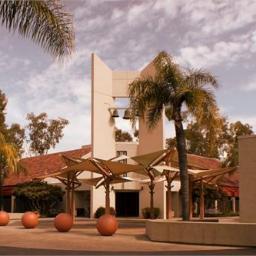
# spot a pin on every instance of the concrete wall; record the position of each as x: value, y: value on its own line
x: 236, y: 234
x: 103, y: 137
x: 132, y: 150
x: 159, y: 198
x: 154, y: 139
x: 247, y: 182
x: 121, y: 80
x: 130, y: 147
x: 106, y: 85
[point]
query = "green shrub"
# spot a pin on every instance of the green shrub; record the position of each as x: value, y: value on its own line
x: 101, y: 211
x: 222, y: 214
x: 146, y: 212
x: 40, y: 196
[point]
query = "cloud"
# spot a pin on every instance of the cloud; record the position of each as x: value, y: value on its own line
x: 216, y: 17
x: 250, y: 86
x: 60, y: 91
x: 202, y: 56
x: 127, y: 35
x: 7, y: 63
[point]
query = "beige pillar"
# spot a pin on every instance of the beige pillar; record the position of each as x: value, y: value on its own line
x: 247, y: 179
x: 216, y: 205
x: 233, y: 204
x: 13, y: 198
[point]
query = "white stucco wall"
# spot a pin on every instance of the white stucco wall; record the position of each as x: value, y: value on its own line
x: 106, y: 85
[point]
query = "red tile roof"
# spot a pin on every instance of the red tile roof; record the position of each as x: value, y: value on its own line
x: 229, y: 183
x: 39, y: 166
x: 196, y: 161
x: 201, y: 162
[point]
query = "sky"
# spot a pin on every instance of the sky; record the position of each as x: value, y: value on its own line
x: 216, y: 35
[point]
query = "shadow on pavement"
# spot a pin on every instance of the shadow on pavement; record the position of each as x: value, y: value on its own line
x: 28, y: 251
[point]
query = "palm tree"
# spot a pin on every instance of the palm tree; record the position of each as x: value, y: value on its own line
x: 43, y: 21
x: 174, y: 89
x: 8, y: 162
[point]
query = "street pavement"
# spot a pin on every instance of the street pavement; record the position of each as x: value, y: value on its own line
x: 84, y: 239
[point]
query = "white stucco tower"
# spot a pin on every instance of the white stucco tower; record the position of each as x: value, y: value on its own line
x: 107, y: 85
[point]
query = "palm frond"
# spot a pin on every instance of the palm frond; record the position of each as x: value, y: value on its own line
x: 171, y: 87
x: 201, y: 104
x: 44, y: 21
x: 200, y: 78
x: 167, y: 71
x: 154, y: 114
x: 169, y: 112
x: 146, y: 96
x: 9, y: 155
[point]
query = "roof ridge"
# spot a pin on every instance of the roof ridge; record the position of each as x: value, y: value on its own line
x: 58, y: 153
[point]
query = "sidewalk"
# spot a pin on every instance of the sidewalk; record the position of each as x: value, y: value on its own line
x: 84, y: 239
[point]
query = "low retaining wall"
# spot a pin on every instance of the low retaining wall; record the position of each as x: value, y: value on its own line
x: 234, y: 234
x: 15, y: 216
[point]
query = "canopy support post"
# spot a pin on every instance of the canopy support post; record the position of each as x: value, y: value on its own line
x: 107, y: 202
x: 151, y: 191
x: 169, y: 201
x: 72, y: 205
x: 201, y: 200
x: 68, y: 210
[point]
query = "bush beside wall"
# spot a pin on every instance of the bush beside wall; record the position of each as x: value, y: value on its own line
x: 101, y: 211
x: 146, y: 213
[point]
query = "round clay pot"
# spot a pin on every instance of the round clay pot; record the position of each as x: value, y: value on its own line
x: 107, y: 225
x: 30, y: 220
x: 63, y: 222
x: 4, y: 218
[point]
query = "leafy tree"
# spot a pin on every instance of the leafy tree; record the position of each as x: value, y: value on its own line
x: 221, y: 142
x: 43, y: 21
x: 44, y: 133
x: 171, y: 143
x: 122, y: 136
x: 206, y: 140
x: 210, y: 193
x: 174, y: 88
x: 136, y: 133
x: 14, y: 134
x: 40, y: 196
x: 231, y: 141
x: 8, y: 162
x: 3, y: 104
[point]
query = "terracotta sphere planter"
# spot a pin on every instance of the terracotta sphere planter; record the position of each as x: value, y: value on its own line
x: 63, y: 222
x: 107, y: 225
x: 4, y: 218
x: 30, y: 220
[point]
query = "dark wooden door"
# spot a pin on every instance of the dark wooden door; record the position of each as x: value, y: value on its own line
x: 127, y: 204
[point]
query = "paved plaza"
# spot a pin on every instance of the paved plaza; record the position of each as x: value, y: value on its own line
x: 84, y: 239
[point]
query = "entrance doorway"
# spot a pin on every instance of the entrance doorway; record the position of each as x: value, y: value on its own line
x: 127, y: 204
x: 82, y: 203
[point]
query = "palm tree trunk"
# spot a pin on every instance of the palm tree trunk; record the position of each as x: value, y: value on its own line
x: 1, y: 191
x: 182, y: 156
